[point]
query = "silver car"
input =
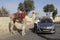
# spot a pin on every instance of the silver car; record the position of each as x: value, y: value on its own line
x: 46, y: 25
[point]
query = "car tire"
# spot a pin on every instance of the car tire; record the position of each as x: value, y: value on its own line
x: 54, y: 32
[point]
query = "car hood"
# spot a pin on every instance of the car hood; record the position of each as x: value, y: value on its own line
x: 46, y: 24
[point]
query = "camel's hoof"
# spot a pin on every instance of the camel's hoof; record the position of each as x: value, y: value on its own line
x: 12, y: 34
x: 24, y: 34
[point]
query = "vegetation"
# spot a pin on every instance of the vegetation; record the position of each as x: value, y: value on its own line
x: 4, y: 12
x: 54, y: 14
x: 27, y: 5
x: 21, y: 6
x: 48, y: 8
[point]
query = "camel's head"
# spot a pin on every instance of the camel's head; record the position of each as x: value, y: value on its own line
x: 34, y: 12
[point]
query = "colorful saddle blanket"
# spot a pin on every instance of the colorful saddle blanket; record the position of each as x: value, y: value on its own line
x: 19, y: 16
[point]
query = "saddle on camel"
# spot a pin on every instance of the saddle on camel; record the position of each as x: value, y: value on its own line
x: 19, y: 16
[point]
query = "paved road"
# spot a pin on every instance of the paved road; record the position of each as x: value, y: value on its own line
x: 33, y: 36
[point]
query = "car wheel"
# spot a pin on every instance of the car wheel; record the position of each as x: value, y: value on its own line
x: 53, y: 32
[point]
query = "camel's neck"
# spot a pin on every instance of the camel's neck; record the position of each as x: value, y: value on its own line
x: 33, y: 16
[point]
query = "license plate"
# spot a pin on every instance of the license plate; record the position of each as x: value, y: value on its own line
x: 46, y: 30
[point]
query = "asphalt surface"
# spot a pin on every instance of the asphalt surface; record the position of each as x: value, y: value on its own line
x: 30, y: 35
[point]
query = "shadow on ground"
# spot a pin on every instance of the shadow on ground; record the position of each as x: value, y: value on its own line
x: 43, y: 35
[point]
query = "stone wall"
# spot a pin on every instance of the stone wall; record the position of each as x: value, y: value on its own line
x: 4, y: 24
x: 57, y: 19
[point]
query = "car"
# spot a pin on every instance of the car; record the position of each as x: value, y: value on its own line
x: 45, y: 25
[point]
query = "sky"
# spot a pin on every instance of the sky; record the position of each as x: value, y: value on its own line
x: 12, y: 5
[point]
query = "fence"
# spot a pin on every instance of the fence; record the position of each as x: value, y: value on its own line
x: 4, y: 24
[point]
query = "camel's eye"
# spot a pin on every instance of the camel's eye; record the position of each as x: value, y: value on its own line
x: 32, y: 12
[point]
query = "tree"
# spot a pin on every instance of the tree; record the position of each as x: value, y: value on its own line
x: 21, y: 6
x: 27, y: 5
x: 48, y: 8
x: 54, y: 14
x: 4, y: 12
x: 0, y: 12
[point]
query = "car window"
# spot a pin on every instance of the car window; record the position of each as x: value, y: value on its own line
x: 46, y: 21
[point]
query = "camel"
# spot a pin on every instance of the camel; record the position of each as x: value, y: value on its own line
x: 26, y: 21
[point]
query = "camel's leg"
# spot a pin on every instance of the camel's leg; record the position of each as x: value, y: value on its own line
x: 23, y: 29
x: 12, y: 26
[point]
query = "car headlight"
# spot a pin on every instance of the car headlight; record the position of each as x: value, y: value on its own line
x: 51, y: 27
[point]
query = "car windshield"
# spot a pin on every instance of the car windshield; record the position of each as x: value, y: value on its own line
x: 46, y: 21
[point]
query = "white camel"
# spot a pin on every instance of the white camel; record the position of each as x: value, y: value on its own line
x: 26, y: 21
